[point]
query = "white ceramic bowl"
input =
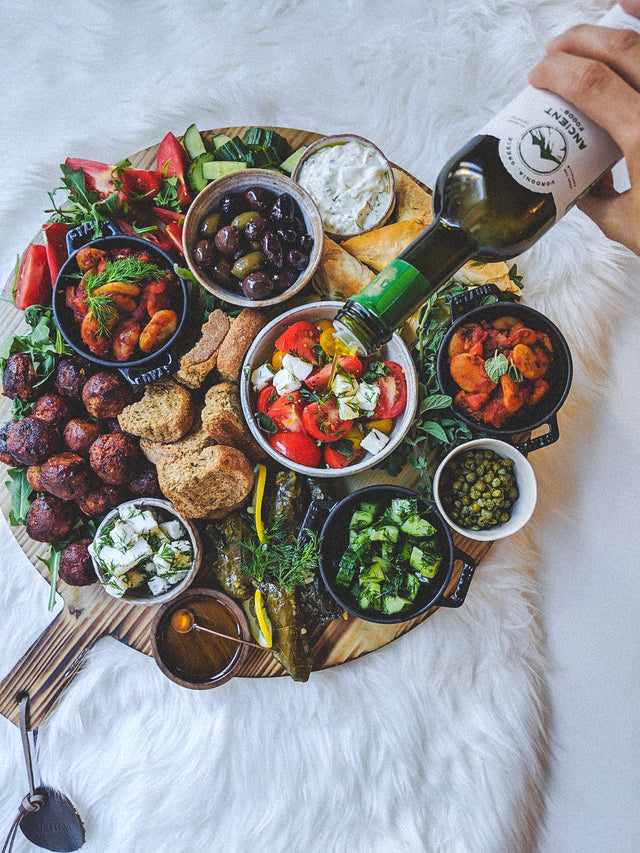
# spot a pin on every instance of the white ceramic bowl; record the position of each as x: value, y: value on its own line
x: 523, y: 508
x: 137, y: 596
x: 339, y: 140
x: 262, y: 350
x: 206, y: 202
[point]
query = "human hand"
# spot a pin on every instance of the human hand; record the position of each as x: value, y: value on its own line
x: 598, y: 70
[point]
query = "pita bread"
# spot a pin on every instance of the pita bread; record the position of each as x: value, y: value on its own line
x: 378, y: 248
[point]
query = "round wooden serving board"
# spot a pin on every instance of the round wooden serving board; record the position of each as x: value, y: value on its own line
x: 89, y: 613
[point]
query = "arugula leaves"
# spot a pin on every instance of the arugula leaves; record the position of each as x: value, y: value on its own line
x: 21, y: 495
x: 82, y: 204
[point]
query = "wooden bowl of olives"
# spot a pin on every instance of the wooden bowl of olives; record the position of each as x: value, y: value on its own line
x: 485, y: 489
x: 253, y: 238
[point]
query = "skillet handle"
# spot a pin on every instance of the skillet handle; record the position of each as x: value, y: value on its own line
x: 163, y: 368
x: 81, y: 234
x: 462, y: 587
x: 544, y: 440
x: 465, y: 302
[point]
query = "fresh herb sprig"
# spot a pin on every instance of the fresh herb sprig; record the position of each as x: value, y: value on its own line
x: 44, y: 344
x: 82, y: 204
x: 280, y: 560
x: 83, y: 528
x: 129, y: 270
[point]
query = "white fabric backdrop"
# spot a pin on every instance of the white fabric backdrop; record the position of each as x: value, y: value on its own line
x: 439, y: 742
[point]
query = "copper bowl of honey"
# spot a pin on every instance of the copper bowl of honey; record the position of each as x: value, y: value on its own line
x: 200, y: 659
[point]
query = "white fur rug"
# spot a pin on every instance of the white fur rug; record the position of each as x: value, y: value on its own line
x: 438, y: 742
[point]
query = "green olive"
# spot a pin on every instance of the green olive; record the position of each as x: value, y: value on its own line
x: 210, y: 224
x: 246, y: 264
x: 245, y: 218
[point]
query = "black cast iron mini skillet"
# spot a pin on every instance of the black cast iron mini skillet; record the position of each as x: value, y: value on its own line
x: 139, y: 371
x: 332, y: 520
x: 468, y: 308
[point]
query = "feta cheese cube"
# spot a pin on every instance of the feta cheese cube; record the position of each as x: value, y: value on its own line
x: 144, y: 522
x: 344, y: 386
x: 285, y: 382
x: 262, y: 376
x: 157, y: 585
x: 172, y: 529
x: 296, y: 366
x: 367, y: 397
x: 347, y: 408
x: 374, y: 441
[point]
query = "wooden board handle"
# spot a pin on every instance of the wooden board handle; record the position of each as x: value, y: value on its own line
x: 48, y: 666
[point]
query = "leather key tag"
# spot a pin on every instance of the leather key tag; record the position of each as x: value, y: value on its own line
x: 56, y: 825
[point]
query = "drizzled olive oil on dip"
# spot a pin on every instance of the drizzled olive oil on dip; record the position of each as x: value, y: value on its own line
x: 351, y: 185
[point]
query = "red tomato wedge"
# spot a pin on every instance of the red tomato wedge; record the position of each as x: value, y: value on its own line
x: 173, y: 158
x: 55, y: 239
x: 97, y: 175
x: 393, y: 392
x: 323, y: 422
x: 335, y: 459
x: 266, y: 397
x: 318, y: 381
x: 138, y: 184
x: 174, y: 232
x: 33, y: 282
x: 286, y: 412
x: 298, y: 447
x: 302, y: 340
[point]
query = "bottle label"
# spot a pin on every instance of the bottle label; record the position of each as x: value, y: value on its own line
x: 549, y: 146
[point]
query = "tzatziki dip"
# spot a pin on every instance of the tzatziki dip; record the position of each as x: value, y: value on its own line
x: 350, y: 183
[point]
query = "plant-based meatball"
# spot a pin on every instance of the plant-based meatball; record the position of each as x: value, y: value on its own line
x: 76, y: 567
x: 145, y: 485
x: 115, y: 457
x: 19, y: 377
x: 79, y: 435
x: 71, y: 377
x: 34, y: 478
x: 53, y: 409
x: 66, y: 475
x: 49, y: 519
x: 101, y: 499
x: 5, y: 456
x: 106, y: 394
x: 31, y: 441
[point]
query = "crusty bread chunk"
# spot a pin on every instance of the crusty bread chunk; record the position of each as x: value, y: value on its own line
x: 222, y: 419
x: 200, y: 360
x: 378, y: 248
x: 208, y: 484
x: 339, y: 275
x: 239, y: 338
x: 164, y: 413
x: 193, y: 442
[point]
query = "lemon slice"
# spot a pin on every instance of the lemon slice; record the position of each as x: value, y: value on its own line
x: 263, y: 621
x: 258, y: 496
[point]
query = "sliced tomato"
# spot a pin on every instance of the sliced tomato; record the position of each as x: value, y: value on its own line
x: 138, y: 184
x: 318, y: 381
x: 323, y: 422
x: 168, y: 216
x: 174, y: 232
x: 298, y: 447
x: 393, y: 391
x: 33, y: 282
x: 174, y: 161
x: 336, y: 458
x: 266, y: 397
x: 301, y: 339
x: 286, y: 412
x: 55, y: 239
x: 97, y: 175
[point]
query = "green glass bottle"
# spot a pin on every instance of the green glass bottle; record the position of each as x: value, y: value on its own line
x: 493, y: 200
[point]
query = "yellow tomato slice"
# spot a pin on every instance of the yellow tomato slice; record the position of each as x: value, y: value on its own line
x: 263, y: 621
x: 384, y: 425
x: 355, y: 434
x: 325, y: 324
x: 276, y: 361
x: 328, y: 342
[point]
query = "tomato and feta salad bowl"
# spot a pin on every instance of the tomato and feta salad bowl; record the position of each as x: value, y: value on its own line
x: 473, y: 482
x: 253, y: 221
x: 506, y: 366
x: 387, y: 554
x: 320, y: 414
x: 146, y: 552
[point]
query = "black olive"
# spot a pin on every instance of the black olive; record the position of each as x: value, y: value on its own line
x: 283, y: 279
x: 297, y: 259
x: 205, y: 253
x: 255, y: 229
x: 231, y: 205
x: 259, y: 198
x: 272, y: 249
x: 228, y: 240
x: 284, y: 209
x: 287, y: 236
x: 305, y: 243
x: 257, y: 285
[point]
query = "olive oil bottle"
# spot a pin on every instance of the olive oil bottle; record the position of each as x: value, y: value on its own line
x: 492, y: 200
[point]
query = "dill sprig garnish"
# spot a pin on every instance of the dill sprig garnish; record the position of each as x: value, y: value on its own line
x: 130, y: 270
x: 288, y: 563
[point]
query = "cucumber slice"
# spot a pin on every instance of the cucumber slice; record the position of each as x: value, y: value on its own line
x: 234, y: 149
x: 218, y: 140
x: 195, y: 179
x: 291, y: 162
x: 214, y: 169
x: 193, y: 142
x: 255, y: 136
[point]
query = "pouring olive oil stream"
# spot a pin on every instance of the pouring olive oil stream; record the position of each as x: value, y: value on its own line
x: 492, y: 200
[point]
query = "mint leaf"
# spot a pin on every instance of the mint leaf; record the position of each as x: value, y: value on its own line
x: 496, y: 366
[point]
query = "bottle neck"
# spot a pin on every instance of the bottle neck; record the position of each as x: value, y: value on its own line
x: 368, y: 320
